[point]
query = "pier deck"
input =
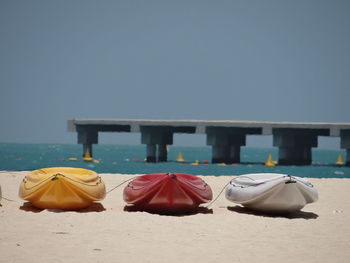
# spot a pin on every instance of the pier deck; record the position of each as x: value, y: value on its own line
x: 294, y: 139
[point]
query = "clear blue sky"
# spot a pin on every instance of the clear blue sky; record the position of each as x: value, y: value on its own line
x: 270, y: 60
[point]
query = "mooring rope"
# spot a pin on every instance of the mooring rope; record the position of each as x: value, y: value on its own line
x: 205, y: 186
x: 7, y: 199
x: 112, y: 189
x: 216, y: 198
x: 41, y: 182
x: 55, y: 176
x: 115, y: 187
x: 76, y: 181
x: 51, y: 177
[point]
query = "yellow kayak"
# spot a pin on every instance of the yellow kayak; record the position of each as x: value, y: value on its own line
x: 63, y: 188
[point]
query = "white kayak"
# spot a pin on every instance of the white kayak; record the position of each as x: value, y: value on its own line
x: 271, y: 192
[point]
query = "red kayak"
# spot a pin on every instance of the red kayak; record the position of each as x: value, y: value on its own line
x: 167, y: 192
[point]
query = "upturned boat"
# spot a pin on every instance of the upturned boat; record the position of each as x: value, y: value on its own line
x: 167, y: 192
x: 62, y: 188
x: 271, y: 192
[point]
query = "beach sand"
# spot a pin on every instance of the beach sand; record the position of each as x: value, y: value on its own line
x: 226, y: 233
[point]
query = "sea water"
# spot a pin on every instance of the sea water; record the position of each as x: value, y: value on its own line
x: 129, y: 159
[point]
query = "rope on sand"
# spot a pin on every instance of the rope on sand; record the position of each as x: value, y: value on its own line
x: 115, y: 187
x: 7, y: 199
x: 216, y: 198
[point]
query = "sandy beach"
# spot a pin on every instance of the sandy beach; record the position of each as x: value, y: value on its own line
x: 226, y: 232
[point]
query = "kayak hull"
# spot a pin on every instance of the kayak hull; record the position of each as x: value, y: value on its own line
x: 270, y: 192
x: 62, y: 188
x: 165, y: 192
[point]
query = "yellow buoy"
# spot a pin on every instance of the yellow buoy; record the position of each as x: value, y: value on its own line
x: 270, y: 162
x: 87, y: 157
x: 180, y: 157
x: 73, y: 159
x: 340, y: 160
x: 196, y: 162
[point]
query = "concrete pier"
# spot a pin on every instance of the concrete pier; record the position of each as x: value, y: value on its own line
x: 226, y: 142
x: 345, y: 144
x: 87, y: 138
x: 156, y: 139
x: 293, y: 139
x: 295, y: 144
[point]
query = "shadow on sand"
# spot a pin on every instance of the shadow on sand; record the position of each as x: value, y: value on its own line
x: 199, y: 210
x: 94, y: 207
x: 291, y: 215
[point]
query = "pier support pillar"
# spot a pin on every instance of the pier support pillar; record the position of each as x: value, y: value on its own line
x: 87, y: 148
x: 345, y: 144
x: 87, y: 138
x: 162, y: 153
x: 220, y: 154
x: 235, y: 153
x: 294, y: 146
x: 156, y: 138
x: 295, y: 156
x: 226, y: 144
x: 151, y: 153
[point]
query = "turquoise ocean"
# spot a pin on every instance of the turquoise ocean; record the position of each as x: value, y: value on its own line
x: 129, y: 159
